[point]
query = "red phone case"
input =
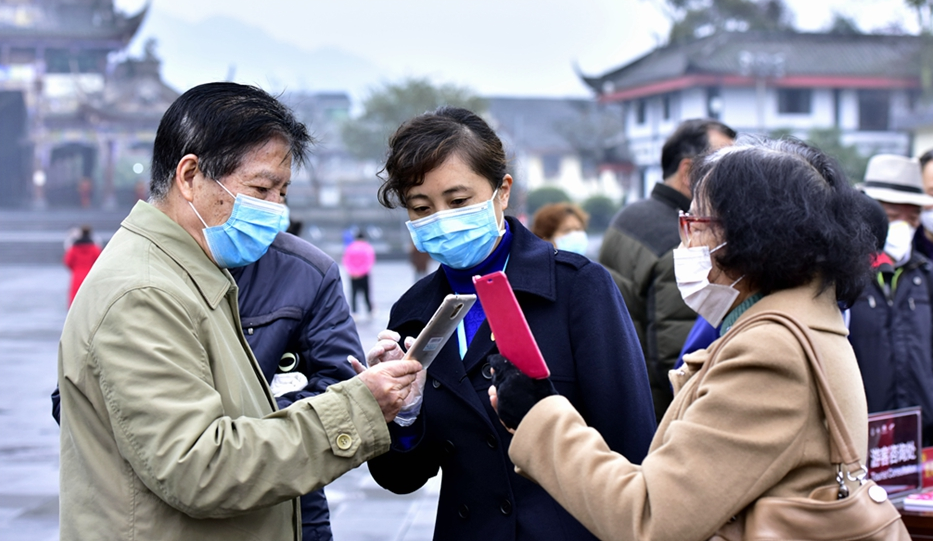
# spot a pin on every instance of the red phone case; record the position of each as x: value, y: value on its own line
x: 509, y: 327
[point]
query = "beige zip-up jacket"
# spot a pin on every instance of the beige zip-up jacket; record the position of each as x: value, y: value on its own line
x: 168, y: 429
x: 756, y: 428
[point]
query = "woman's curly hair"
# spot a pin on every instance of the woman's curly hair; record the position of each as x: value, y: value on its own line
x: 788, y: 214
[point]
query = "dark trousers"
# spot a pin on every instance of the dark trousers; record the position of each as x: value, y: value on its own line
x: 360, y: 285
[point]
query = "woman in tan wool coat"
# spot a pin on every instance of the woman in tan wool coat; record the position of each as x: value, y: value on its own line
x: 774, y: 225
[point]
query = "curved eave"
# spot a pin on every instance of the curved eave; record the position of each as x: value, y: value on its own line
x: 131, y: 24
x: 595, y: 83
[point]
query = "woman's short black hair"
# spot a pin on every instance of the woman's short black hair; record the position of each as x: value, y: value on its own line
x: 788, y: 215
x: 423, y: 143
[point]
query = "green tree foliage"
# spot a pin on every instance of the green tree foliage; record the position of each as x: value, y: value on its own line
x: 829, y: 140
x: 848, y: 156
x: 596, y: 133
x: 843, y: 25
x: 387, y: 107
x: 536, y: 199
x: 924, y: 11
x: 699, y: 18
x: 601, y: 210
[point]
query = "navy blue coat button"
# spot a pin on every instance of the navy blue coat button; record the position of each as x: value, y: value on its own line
x: 436, y: 384
x: 487, y: 371
x: 506, y: 507
x: 464, y: 511
x: 491, y: 441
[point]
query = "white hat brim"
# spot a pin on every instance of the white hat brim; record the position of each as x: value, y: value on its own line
x: 886, y: 195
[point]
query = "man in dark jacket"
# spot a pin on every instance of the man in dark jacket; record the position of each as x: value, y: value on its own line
x: 891, y: 325
x: 300, y: 330
x: 637, y: 252
x: 923, y: 238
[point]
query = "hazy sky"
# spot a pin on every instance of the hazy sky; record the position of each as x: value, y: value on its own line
x: 496, y: 47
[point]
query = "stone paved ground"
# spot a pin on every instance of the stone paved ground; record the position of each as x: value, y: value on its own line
x: 32, y: 311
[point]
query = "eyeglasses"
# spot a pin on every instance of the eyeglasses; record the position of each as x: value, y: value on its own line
x: 686, y: 222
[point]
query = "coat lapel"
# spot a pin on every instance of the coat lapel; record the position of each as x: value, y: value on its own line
x: 531, y: 272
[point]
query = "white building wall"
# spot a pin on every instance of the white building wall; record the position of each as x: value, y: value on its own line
x: 740, y: 111
x: 692, y: 103
x: 823, y: 113
x: 570, y: 175
x: 923, y: 141
x: 739, y: 107
x: 848, y: 110
x: 533, y: 169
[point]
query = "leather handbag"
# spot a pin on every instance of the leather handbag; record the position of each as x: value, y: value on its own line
x: 829, y: 513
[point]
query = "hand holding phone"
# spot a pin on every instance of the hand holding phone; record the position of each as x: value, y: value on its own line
x: 509, y: 328
x: 441, y: 326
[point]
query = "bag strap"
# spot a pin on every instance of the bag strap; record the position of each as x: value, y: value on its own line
x: 842, y: 449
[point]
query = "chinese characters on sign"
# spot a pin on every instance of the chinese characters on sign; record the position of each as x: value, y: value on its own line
x: 894, y: 450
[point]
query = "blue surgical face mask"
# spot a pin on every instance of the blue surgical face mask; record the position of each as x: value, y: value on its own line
x: 575, y: 241
x: 247, y: 233
x: 459, y: 238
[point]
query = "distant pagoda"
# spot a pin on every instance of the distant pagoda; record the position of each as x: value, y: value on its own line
x: 76, y: 116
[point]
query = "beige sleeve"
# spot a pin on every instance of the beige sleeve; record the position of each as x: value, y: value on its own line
x: 739, y: 438
x: 170, y: 424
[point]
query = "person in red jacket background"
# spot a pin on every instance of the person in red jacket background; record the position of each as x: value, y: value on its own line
x: 79, y: 258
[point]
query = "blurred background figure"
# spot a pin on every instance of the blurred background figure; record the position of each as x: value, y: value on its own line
x: 294, y: 227
x: 419, y: 262
x: 85, y: 191
x: 638, y: 252
x: 563, y: 225
x: 923, y: 239
x: 891, y: 324
x: 358, y: 259
x: 141, y: 190
x: 80, y: 257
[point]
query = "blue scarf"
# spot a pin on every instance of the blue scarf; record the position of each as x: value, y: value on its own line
x: 461, y: 281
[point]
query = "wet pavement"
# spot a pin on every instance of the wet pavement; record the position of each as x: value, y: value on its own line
x: 32, y: 311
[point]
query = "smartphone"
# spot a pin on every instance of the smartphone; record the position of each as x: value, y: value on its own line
x: 510, y: 330
x: 443, y: 324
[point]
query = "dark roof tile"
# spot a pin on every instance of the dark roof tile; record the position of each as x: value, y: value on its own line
x: 802, y: 54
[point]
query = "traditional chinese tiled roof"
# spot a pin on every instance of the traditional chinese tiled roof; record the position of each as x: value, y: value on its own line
x: 538, y: 124
x: 53, y: 23
x: 735, y: 56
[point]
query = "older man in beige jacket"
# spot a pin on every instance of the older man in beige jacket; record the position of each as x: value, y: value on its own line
x: 169, y: 430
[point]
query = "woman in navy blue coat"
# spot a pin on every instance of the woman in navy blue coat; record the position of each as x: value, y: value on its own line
x: 447, y: 169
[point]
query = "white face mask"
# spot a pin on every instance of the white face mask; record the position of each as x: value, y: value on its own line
x: 691, y: 269
x: 926, y: 220
x: 899, y: 240
x: 575, y: 241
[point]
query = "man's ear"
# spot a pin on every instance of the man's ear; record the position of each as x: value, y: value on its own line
x: 185, y: 173
x: 683, y: 173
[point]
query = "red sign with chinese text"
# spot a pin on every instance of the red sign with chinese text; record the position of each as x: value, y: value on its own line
x: 894, y: 452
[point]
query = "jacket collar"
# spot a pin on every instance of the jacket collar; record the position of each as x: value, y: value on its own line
x: 816, y: 309
x: 530, y: 270
x: 154, y: 225
x: 822, y: 315
x: 670, y: 196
